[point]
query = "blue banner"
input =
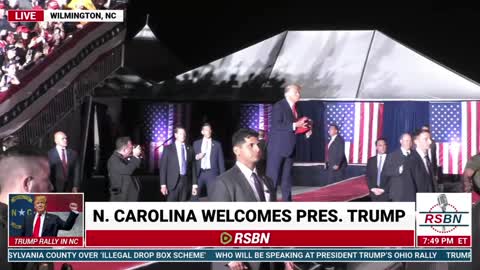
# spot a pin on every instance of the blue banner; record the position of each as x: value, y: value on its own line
x: 21, y: 205
x: 245, y: 255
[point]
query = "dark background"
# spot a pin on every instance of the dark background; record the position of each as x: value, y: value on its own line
x: 194, y: 34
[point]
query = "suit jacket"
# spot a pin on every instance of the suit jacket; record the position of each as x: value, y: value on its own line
x: 391, y: 174
x: 57, y: 176
x: 51, y: 225
x: 217, y: 163
x: 232, y: 186
x: 434, y: 160
x: 282, y: 138
x: 123, y: 186
x: 417, y: 177
x: 170, y: 169
x: 336, y: 153
x: 372, y: 171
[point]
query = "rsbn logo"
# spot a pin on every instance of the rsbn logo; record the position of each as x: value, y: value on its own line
x: 443, y: 217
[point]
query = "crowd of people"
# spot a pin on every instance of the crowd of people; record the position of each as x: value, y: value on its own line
x: 26, y: 43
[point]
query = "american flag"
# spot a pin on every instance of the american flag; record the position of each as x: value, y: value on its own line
x: 159, y: 122
x: 454, y: 127
x: 360, y: 125
x: 256, y: 116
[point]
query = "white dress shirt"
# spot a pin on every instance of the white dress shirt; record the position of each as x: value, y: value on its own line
x: 331, y: 140
x: 181, y: 147
x: 383, y: 157
x: 207, y: 149
x: 295, y: 116
x: 405, y: 152
x: 422, y: 155
x: 59, y: 150
x: 248, y: 175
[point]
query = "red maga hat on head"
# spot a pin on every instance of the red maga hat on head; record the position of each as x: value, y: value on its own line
x: 53, y: 5
x: 22, y: 29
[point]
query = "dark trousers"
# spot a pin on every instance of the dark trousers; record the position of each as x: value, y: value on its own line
x: 205, y: 181
x: 181, y: 192
x: 335, y: 175
x: 279, y: 169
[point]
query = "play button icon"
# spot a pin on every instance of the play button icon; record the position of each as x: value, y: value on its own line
x: 225, y: 238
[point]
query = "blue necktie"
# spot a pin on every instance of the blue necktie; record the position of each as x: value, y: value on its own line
x: 183, y: 163
x: 379, y: 170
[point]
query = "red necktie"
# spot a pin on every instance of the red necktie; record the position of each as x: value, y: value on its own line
x: 36, y: 230
x: 294, y: 109
x: 64, y: 162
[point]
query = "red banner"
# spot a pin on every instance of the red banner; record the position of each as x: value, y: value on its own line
x: 344, y: 238
x: 444, y: 241
x: 59, y: 241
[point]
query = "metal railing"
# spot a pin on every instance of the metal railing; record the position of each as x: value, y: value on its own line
x: 69, y: 100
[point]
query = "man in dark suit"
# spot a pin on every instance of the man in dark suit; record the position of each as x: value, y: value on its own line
x: 432, y: 153
x: 241, y: 183
x: 377, y: 184
x: 44, y: 224
x: 282, y: 139
x: 121, y: 165
x: 418, y: 176
x: 178, y: 178
x: 64, y: 165
x: 394, y: 168
x: 209, y: 159
x: 336, y: 161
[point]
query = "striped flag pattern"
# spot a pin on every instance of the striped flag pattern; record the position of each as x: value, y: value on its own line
x: 454, y: 127
x: 256, y: 116
x: 360, y: 125
x: 159, y: 122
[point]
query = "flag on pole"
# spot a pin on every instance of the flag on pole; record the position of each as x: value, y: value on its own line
x: 360, y: 125
x: 454, y: 127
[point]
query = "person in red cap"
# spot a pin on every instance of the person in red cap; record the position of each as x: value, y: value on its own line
x: 24, y: 34
x: 52, y: 4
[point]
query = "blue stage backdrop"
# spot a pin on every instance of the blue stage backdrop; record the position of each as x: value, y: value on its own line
x: 401, y: 117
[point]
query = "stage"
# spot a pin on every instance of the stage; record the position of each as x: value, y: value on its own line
x: 309, y: 184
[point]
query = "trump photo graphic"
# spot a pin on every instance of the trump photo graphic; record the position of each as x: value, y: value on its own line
x: 53, y: 219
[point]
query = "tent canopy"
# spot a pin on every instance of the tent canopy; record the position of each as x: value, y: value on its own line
x: 340, y: 65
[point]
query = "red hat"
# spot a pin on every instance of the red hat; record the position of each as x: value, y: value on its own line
x: 52, y: 4
x: 23, y: 29
x: 37, y: 7
x: 2, y: 5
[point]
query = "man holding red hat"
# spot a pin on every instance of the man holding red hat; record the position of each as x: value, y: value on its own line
x: 286, y: 123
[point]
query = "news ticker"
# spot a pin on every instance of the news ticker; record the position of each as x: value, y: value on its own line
x: 436, y: 220
x: 65, y: 15
x: 244, y: 255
